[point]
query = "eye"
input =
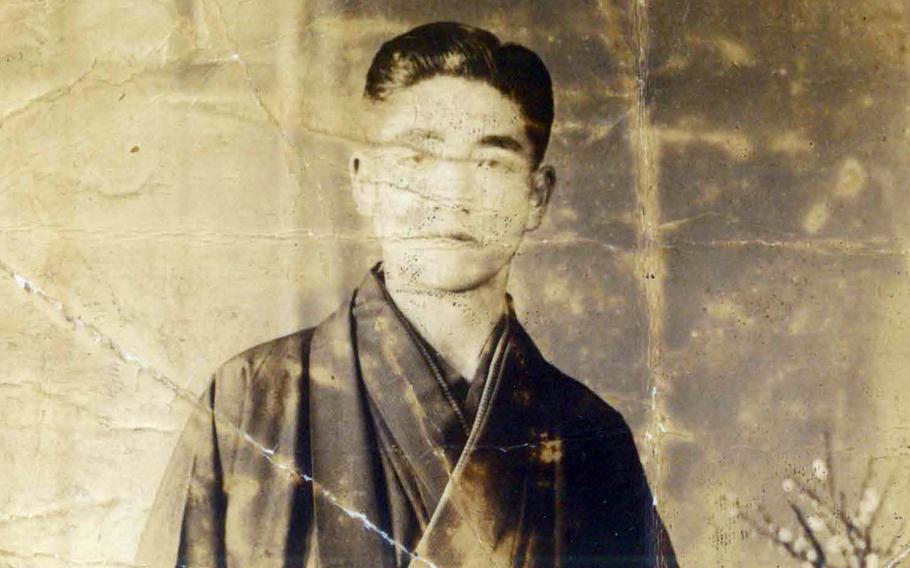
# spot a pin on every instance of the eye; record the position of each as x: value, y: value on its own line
x: 498, y: 165
x: 412, y: 159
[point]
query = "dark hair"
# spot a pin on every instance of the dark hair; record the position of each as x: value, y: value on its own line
x: 453, y: 49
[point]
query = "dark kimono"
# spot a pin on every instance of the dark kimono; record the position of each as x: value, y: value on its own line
x: 354, y: 444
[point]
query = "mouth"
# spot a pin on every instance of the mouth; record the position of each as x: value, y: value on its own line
x: 454, y: 237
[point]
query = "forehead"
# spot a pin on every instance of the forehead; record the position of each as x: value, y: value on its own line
x: 456, y: 108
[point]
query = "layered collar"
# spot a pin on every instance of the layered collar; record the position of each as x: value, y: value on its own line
x: 396, y: 420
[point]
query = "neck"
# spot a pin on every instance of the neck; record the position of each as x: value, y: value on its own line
x: 456, y: 324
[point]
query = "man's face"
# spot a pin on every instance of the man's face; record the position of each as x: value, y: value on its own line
x: 448, y: 181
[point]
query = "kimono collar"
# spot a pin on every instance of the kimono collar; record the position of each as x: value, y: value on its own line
x: 365, y: 366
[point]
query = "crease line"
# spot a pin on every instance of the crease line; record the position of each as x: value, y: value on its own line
x: 285, y: 236
x: 68, y: 560
x: 129, y: 357
x: 651, y: 262
x: 49, y: 96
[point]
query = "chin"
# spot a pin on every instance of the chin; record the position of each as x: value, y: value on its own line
x: 444, y: 270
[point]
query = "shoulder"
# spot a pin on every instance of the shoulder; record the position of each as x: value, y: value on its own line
x: 581, y: 410
x: 573, y: 408
x: 261, y: 358
x: 563, y: 398
x: 273, y: 365
x: 256, y: 395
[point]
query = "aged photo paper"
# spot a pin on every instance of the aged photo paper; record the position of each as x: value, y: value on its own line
x: 501, y: 283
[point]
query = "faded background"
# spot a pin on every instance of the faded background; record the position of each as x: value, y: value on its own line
x: 726, y: 260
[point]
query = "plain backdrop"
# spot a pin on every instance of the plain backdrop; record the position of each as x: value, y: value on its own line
x: 725, y: 260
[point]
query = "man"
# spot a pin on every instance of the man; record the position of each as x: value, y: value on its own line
x: 418, y: 425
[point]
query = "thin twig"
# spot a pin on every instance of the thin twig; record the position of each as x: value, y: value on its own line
x: 829, y: 464
x: 769, y: 533
x: 822, y: 510
x: 819, y: 561
x: 853, y: 533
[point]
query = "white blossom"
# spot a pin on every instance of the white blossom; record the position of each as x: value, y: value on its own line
x: 820, y: 469
x: 836, y: 544
x: 870, y: 500
x: 784, y: 534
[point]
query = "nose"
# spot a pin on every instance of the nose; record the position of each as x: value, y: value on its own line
x: 451, y: 184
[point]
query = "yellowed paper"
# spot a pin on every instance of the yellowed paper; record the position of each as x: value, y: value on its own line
x: 724, y: 259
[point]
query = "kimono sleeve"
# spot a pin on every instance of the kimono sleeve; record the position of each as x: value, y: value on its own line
x: 621, y: 526
x: 186, y: 524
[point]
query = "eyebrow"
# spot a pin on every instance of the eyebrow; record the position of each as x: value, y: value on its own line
x: 419, y: 135
x: 503, y: 142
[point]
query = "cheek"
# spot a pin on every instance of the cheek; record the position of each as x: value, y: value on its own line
x: 504, y: 216
x: 399, y: 211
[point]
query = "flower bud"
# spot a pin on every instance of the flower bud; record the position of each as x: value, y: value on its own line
x: 820, y: 469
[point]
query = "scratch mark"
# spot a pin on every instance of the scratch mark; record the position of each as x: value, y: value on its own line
x: 897, y: 559
x: 352, y: 514
x: 49, y: 96
x: 126, y: 355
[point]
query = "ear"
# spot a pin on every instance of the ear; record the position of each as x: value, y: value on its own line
x: 543, y: 181
x: 362, y: 190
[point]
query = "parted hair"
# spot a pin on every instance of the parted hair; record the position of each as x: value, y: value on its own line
x: 459, y: 50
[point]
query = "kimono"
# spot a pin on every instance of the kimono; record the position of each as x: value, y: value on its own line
x: 353, y: 443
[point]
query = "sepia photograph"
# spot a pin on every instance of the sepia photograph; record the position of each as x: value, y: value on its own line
x: 514, y: 283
